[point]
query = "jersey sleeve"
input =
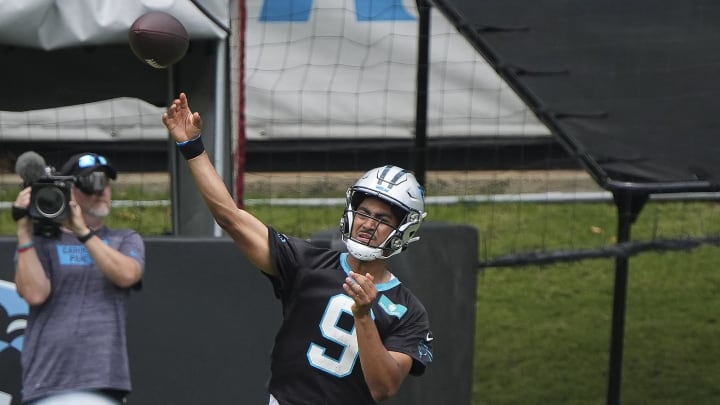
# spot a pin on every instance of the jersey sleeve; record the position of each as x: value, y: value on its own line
x: 413, y: 337
x: 290, y: 256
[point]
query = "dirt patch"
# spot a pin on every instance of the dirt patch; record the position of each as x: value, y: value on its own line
x: 335, y: 183
x: 438, y: 183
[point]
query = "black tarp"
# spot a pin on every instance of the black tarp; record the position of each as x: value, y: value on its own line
x: 629, y: 87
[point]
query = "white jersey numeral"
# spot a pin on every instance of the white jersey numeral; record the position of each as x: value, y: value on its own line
x: 343, y: 366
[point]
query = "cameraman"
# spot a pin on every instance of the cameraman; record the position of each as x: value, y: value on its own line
x: 77, y: 283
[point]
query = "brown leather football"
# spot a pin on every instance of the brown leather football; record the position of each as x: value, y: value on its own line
x: 158, y: 39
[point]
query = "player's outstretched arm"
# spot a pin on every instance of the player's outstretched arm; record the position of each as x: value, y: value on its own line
x: 249, y: 233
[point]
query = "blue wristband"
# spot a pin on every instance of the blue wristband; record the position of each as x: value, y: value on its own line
x: 25, y: 247
x: 191, y: 148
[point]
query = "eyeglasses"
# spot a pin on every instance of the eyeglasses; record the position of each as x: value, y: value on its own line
x: 383, y: 219
x: 91, y: 160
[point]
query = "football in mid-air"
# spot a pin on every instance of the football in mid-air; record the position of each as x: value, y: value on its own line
x: 158, y: 39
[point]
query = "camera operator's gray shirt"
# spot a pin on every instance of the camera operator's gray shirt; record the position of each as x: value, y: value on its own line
x: 77, y: 339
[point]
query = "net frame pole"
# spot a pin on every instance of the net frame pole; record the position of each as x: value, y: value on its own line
x: 173, y: 159
x: 241, y: 141
x: 421, y: 101
x: 628, y: 205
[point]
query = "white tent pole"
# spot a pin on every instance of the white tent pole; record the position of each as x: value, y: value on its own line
x: 220, y: 107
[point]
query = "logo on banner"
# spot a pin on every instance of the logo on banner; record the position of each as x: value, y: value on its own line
x: 366, y: 10
x: 13, y: 320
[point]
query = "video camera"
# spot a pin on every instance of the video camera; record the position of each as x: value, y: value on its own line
x: 50, y: 196
x: 51, y: 191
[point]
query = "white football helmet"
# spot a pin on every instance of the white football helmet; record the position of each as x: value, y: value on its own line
x: 399, y: 188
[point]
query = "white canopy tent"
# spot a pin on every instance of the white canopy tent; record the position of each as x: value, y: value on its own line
x: 72, y: 78
x: 56, y: 24
x: 52, y: 25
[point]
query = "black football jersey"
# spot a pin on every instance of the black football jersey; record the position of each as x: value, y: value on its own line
x: 315, y: 358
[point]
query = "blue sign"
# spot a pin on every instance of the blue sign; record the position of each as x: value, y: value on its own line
x: 366, y: 10
x: 13, y: 321
x: 13, y: 317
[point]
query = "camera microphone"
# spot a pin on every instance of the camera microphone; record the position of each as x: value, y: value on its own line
x: 30, y: 166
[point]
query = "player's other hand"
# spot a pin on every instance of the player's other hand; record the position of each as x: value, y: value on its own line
x: 181, y: 122
x: 362, y: 290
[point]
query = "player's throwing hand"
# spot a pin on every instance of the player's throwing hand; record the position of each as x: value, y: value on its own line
x: 182, y: 123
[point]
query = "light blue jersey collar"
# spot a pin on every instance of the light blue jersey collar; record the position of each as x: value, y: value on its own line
x: 394, y: 281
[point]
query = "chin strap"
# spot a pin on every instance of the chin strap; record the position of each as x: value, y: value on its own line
x: 367, y: 253
x: 363, y: 252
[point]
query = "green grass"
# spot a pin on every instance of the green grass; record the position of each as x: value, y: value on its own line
x: 543, y: 332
